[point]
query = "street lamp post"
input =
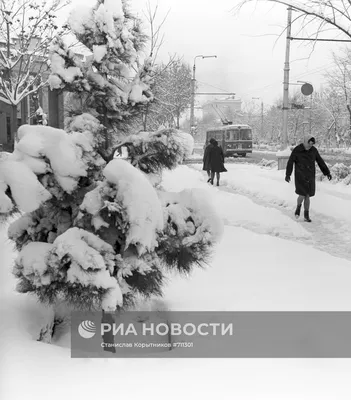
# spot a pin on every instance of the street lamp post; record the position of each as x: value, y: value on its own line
x: 192, y: 105
x: 259, y: 98
x: 284, y: 138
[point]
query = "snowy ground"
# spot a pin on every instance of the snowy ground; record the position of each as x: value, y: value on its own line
x: 266, y: 261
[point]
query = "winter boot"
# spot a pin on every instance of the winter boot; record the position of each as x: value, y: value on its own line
x: 297, y: 211
x: 307, y: 216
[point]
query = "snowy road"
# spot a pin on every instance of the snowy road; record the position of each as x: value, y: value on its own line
x: 256, y: 156
x: 246, y: 186
x: 330, y: 229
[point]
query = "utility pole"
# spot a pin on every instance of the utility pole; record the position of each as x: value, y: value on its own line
x: 192, y: 99
x: 284, y: 141
x: 192, y: 104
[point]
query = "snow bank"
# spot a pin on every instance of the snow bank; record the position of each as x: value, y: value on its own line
x: 269, y: 186
x: 250, y: 272
x: 284, y: 153
x: 4, y: 155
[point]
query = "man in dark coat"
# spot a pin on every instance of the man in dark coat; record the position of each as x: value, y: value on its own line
x: 304, y: 156
x: 216, y: 161
x: 206, y: 159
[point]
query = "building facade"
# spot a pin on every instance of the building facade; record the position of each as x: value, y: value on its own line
x: 51, y: 102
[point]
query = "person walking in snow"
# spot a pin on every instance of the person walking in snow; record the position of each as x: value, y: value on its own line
x: 216, y: 162
x: 303, y: 157
x: 206, y: 159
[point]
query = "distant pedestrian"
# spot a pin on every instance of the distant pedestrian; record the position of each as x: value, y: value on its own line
x: 206, y: 159
x: 216, y: 162
x: 303, y: 157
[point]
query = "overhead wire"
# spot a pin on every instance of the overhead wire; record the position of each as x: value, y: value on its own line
x: 314, y: 70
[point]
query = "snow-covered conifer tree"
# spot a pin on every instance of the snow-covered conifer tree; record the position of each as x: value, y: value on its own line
x: 112, y: 84
x: 95, y: 232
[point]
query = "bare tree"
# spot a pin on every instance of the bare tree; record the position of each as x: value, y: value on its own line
x: 332, y: 112
x: 156, y: 41
x: 156, y: 35
x: 321, y: 15
x: 339, y: 80
x: 172, y: 92
x: 27, y: 29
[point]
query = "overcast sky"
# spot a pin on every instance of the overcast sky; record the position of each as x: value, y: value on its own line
x: 250, y: 59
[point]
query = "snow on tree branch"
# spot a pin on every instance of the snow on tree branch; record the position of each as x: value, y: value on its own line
x: 192, y: 227
x: 133, y: 193
x: 18, y: 181
x: 153, y: 151
x: 76, y: 258
x: 44, y: 150
x: 113, y: 81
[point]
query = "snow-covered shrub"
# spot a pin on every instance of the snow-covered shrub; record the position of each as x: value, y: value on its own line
x: 268, y: 163
x: 340, y: 171
x: 190, y: 224
x: 93, y: 234
x: 347, y: 180
x: 151, y: 152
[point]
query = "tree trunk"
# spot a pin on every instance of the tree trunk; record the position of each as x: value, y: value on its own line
x: 13, y: 126
x: 145, y: 118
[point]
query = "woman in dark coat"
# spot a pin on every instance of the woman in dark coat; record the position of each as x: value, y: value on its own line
x: 206, y: 159
x: 304, y: 156
x: 216, y: 162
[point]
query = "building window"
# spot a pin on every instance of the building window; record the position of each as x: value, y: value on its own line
x: 246, y: 134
